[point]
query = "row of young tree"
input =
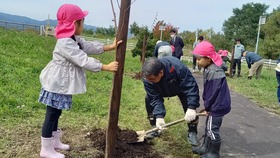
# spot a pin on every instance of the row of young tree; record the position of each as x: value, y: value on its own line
x: 242, y: 24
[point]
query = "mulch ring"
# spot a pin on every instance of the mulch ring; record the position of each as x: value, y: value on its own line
x: 122, y: 147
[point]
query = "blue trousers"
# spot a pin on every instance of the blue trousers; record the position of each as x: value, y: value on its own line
x: 192, y: 125
x: 150, y: 108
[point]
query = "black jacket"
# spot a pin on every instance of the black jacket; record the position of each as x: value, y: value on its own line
x: 178, y: 44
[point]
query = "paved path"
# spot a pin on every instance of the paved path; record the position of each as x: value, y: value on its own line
x: 248, y: 130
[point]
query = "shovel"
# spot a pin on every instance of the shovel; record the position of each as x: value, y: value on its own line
x: 142, y: 134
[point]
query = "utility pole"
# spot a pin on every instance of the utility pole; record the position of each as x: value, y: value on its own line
x: 161, y: 28
x: 118, y: 77
x: 261, y: 21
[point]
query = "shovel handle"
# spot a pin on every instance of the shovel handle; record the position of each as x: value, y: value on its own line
x: 172, y: 123
x: 165, y: 125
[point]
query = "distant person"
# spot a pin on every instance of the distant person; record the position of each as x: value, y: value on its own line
x: 224, y: 56
x: 254, y: 62
x: 162, y: 49
x: 65, y: 76
x: 178, y: 43
x: 168, y: 77
x: 278, y: 79
x: 220, y: 52
x: 238, y: 49
x: 216, y: 97
x: 200, y: 39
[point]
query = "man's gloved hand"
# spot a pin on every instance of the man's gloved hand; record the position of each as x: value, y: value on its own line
x: 159, y: 123
x: 190, y: 115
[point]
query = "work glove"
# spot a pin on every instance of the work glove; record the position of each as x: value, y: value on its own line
x: 159, y: 123
x: 190, y: 115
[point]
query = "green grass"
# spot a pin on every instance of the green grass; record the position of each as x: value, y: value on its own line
x: 262, y: 91
x: 22, y: 57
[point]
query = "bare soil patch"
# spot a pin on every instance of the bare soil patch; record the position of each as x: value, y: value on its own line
x: 122, y: 148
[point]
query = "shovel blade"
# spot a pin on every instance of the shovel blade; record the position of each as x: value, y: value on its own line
x: 141, y: 137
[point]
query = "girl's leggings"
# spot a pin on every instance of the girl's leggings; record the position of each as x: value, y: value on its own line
x: 51, y: 121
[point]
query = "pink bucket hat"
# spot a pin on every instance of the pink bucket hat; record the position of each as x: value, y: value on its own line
x: 224, y: 53
x: 67, y: 14
x: 206, y: 49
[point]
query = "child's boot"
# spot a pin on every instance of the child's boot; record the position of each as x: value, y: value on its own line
x: 47, y: 149
x: 203, y: 148
x: 214, y: 150
x: 57, y: 143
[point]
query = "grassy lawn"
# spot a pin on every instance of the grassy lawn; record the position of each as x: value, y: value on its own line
x: 262, y: 91
x: 22, y: 57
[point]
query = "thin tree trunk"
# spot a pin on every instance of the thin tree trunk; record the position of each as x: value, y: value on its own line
x: 144, y: 49
x: 118, y: 77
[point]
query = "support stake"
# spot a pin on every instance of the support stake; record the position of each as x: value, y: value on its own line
x: 118, y: 77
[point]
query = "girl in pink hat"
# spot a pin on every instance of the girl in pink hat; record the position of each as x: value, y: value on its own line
x: 65, y: 76
x: 220, y: 51
x: 216, y: 98
x: 224, y: 56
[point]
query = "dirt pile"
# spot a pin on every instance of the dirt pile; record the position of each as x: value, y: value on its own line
x: 122, y: 148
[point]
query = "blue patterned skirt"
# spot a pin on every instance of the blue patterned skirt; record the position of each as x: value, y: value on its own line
x: 55, y: 100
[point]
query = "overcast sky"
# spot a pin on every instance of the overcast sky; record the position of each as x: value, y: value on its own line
x: 185, y: 14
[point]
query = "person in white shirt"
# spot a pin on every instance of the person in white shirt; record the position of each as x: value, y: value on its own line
x: 238, y: 49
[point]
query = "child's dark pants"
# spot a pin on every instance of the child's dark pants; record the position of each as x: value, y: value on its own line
x: 213, y: 125
x: 51, y: 121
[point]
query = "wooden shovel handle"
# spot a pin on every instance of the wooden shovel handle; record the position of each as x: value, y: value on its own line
x: 172, y: 123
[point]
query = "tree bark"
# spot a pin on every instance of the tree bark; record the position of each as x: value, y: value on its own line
x: 144, y: 49
x: 118, y: 77
x: 231, y: 62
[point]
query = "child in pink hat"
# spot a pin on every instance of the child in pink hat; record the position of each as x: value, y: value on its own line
x: 224, y: 56
x: 65, y: 76
x: 216, y: 98
x: 220, y: 51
